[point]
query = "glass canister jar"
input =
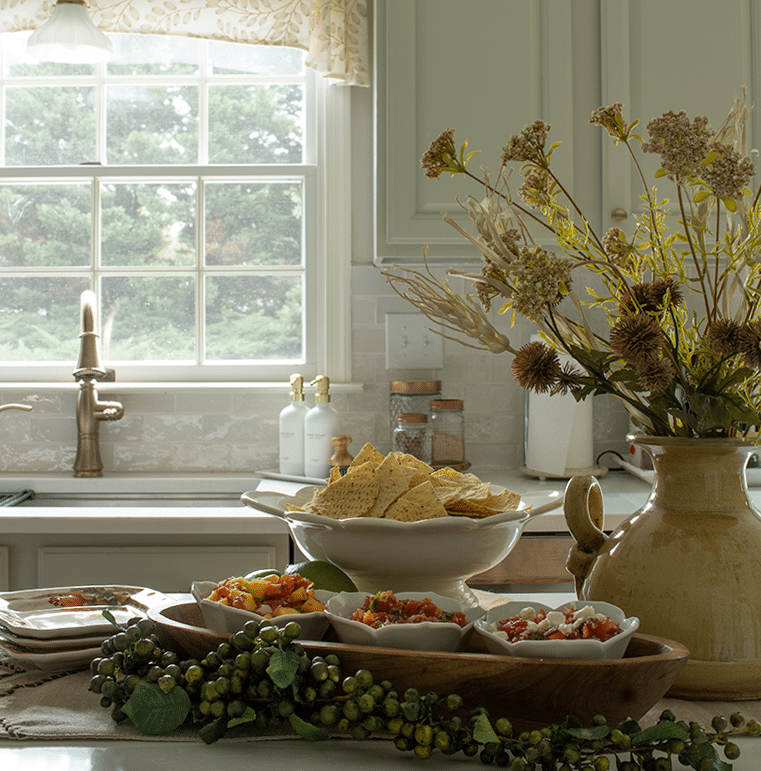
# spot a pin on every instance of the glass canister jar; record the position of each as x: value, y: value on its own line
x: 447, y: 429
x: 412, y: 396
x: 411, y: 435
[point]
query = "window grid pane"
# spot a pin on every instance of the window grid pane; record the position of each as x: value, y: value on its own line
x: 188, y: 270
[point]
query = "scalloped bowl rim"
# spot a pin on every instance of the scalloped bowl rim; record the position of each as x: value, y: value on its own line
x: 559, y: 648
x: 342, y: 606
x: 217, y: 607
x: 456, y: 523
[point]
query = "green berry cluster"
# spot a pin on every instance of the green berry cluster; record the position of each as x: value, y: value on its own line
x: 128, y: 657
x: 263, y: 676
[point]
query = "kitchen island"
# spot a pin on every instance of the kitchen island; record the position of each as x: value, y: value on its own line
x: 623, y: 494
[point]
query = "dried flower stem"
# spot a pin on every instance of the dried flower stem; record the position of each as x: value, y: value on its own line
x: 677, y: 374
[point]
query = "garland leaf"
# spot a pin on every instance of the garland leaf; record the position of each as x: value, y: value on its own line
x: 154, y: 712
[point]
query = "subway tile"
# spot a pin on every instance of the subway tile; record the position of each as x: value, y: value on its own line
x: 174, y: 428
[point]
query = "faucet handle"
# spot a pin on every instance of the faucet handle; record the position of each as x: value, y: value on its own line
x: 88, y: 364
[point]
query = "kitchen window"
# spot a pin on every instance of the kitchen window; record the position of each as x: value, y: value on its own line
x: 183, y: 182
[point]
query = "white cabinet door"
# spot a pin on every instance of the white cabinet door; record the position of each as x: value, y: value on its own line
x: 483, y: 67
x: 691, y: 55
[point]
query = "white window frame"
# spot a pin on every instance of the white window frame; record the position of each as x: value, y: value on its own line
x: 327, y: 293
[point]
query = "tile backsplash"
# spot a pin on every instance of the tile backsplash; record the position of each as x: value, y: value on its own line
x: 195, y: 429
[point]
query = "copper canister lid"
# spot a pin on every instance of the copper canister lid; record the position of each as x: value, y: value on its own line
x: 446, y: 404
x: 415, y: 386
x: 412, y: 417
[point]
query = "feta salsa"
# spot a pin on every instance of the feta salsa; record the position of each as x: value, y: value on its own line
x: 566, y: 624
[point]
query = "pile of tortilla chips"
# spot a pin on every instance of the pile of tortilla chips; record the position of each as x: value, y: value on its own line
x: 401, y: 487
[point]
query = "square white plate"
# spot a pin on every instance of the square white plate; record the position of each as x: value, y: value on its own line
x: 31, y: 613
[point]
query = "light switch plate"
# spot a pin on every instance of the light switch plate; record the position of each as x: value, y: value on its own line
x: 410, y: 343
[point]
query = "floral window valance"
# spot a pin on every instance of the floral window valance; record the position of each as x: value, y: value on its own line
x: 334, y: 33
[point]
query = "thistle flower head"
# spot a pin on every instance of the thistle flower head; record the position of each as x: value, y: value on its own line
x: 568, y: 380
x: 635, y: 298
x: 656, y: 374
x: 536, y: 367
x: 637, y: 339
x: 652, y: 296
x: 750, y: 344
x: 723, y: 337
x: 666, y: 293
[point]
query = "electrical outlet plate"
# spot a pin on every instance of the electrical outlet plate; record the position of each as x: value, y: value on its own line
x: 410, y: 343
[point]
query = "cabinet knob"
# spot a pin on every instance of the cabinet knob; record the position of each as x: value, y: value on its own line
x: 618, y: 214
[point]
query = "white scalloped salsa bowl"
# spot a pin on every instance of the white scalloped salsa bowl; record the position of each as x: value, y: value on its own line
x: 614, y: 648
x: 422, y: 636
x: 225, y: 618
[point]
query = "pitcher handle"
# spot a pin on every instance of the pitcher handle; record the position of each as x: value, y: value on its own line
x: 583, y: 510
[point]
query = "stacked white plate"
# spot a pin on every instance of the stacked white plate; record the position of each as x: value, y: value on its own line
x: 63, y: 627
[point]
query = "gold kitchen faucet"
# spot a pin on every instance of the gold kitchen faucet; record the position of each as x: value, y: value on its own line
x: 90, y: 410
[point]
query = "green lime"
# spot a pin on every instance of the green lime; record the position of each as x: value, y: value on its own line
x: 262, y: 572
x: 324, y: 575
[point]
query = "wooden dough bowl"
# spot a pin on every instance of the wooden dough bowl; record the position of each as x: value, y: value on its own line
x: 530, y: 692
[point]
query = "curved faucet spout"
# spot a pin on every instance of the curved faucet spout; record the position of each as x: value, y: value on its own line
x: 90, y: 409
x: 88, y: 364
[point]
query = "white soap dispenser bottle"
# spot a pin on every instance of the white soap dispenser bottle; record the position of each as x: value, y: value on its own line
x: 292, y: 430
x: 321, y: 424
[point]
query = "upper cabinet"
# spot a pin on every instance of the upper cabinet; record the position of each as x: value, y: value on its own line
x: 488, y: 67
x: 482, y: 67
x: 694, y: 56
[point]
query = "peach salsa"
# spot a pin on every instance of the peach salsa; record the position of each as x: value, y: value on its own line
x: 566, y: 624
x: 386, y: 608
x: 270, y: 596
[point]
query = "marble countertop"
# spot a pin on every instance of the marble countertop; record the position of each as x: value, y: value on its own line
x: 198, y: 502
x: 326, y: 756
x: 163, y: 502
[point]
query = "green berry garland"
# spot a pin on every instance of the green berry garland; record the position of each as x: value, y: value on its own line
x: 263, y: 676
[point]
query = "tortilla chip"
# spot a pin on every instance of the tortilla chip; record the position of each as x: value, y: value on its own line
x: 420, y: 502
x: 507, y: 500
x: 496, y: 503
x: 452, y: 496
x: 412, y: 462
x: 352, y: 495
x: 392, y: 483
x: 367, y: 453
x: 401, y: 486
x: 446, y: 473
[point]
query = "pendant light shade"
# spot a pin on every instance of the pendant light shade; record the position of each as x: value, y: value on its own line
x: 69, y: 36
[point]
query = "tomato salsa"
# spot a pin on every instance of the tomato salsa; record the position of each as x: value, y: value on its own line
x: 386, y: 608
x: 566, y: 624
